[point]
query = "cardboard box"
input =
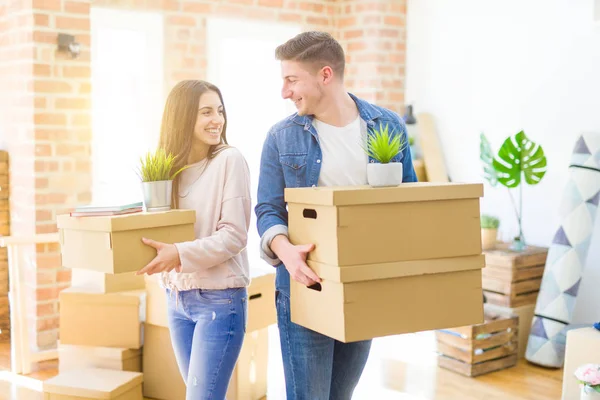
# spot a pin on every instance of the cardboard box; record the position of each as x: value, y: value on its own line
x: 80, y: 357
x: 362, y: 225
x: 261, y: 299
x: 368, y: 301
x: 102, y: 319
x: 249, y: 379
x: 114, y: 244
x: 525, y: 314
x: 95, y: 281
x: 156, y: 312
x: 162, y: 379
x: 583, y: 347
x: 94, y: 383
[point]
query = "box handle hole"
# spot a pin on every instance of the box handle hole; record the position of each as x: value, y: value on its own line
x: 255, y: 296
x: 309, y: 213
x: 315, y: 286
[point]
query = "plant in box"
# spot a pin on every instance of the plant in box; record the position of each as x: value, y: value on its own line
x: 157, y: 179
x: 489, y: 231
x: 588, y: 376
x: 383, y: 146
x: 517, y: 156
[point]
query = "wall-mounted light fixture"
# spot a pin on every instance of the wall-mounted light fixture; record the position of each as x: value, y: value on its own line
x: 68, y: 44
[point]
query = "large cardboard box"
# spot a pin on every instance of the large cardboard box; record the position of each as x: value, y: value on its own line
x: 368, y: 301
x: 102, y: 319
x: 114, y: 245
x: 94, y: 383
x: 80, y: 357
x: 249, y: 379
x: 162, y: 379
x: 95, y: 281
x: 525, y: 314
x: 261, y: 299
x: 362, y: 225
x: 583, y: 347
x: 156, y: 312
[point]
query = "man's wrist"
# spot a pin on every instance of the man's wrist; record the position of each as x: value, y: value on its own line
x: 279, y: 244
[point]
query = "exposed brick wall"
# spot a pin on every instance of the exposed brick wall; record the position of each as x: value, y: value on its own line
x: 55, y: 167
x: 4, y: 231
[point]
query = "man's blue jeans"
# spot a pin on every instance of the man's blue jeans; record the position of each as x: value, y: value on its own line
x: 317, y: 367
x: 207, y: 331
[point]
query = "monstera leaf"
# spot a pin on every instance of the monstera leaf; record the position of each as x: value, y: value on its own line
x: 486, y: 155
x: 519, y: 155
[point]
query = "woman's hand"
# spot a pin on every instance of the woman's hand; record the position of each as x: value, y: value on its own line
x: 166, y: 260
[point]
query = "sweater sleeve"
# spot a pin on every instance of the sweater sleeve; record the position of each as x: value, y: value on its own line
x: 231, y: 235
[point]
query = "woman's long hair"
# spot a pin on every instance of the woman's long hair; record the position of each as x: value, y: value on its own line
x: 179, y: 121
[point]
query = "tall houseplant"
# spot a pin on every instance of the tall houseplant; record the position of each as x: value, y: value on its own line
x: 383, y: 147
x: 157, y: 179
x: 518, y: 158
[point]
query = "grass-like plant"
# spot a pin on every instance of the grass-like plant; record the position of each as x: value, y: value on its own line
x: 158, y: 166
x: 489, y: 222
x: 383, y: 146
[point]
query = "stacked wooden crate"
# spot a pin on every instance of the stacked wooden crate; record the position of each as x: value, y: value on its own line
x: 511, y: 278
x: 479, y: 349
x: 4, y: 231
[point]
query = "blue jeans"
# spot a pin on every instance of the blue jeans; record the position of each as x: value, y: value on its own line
x: 207, y: 331
x: 317, y: 367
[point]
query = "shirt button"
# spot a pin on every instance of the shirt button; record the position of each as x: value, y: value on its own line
x: 318, y: 161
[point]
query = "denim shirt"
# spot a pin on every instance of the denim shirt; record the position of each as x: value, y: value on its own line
x: 291, y: 158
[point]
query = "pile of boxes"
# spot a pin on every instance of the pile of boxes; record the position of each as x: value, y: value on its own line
x: 393, y: 260
x: 114, y: 340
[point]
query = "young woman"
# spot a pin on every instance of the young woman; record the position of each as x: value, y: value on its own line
x: 205, y: 279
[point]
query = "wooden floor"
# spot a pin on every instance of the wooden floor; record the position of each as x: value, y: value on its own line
x: 400, y: 367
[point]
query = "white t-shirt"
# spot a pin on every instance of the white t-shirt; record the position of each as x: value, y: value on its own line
x: 344, y: 162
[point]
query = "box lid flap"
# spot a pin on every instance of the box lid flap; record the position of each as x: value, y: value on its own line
x: 79, y: 296
x: 368, y: 272
x: 127, y: 222
x: 406, y: 192
x: 93, y: 383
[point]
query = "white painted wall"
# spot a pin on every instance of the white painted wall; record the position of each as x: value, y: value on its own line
x: 499, y: 67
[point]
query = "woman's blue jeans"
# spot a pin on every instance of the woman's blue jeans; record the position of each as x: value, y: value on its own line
x: 207, y: 331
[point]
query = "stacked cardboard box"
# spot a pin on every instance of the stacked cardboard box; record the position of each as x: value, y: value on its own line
x: 513, y: 278
x: 393, y: 260
x: 102, y: 314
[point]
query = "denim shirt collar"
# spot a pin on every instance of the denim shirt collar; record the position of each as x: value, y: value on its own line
x: 366, y: 111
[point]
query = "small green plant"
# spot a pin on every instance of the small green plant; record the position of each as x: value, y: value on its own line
x: 383, y: 146
x: 158, y: 166
x: 489, y: 222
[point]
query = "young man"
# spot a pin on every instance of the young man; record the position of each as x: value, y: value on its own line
x: 320, y: 145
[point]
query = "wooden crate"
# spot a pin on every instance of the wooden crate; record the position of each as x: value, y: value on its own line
x: 513, y: 279
x: 479, y: 349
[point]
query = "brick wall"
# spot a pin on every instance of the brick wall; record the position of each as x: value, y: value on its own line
x: 372, y: 32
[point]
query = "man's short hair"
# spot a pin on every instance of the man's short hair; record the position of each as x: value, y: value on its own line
x: 319, y: 49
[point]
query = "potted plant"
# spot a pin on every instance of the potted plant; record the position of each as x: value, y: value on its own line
x: 588, y: 376
x: 518, y: 158
x: 383, y: 146
x: 157, y: 180
x: 489, y: 231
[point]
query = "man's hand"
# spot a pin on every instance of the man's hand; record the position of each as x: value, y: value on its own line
x: 166, y: 260
x: 294, y: 259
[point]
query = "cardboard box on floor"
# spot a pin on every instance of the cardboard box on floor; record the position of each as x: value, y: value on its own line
x: 94, y: 383
x: 261, y: 299
x: 583, y: 347
x: 525, y: 314
x: 249, y: 379
x: 113, y: 244
x: 95, y: 281
x: 393, y: 260
x: 156, y: 300
x: 72, y: 357
x: 102, y: 319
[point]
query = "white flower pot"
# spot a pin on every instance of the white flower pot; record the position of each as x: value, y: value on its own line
x: 384, y: 175
x: 157, y: 195
x: 588, y: 393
